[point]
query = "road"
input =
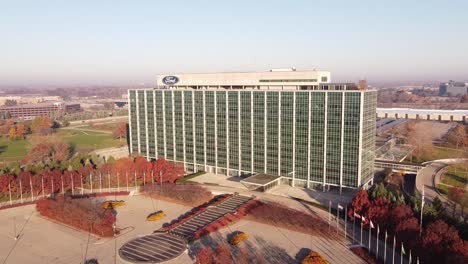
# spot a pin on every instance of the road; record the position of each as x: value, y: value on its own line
x: 428, y: 177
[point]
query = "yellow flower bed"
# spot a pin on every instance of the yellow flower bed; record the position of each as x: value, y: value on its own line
x: 112, y: 204
x: 155, y: 216
x: 314, y: 258
x: 238, y: 238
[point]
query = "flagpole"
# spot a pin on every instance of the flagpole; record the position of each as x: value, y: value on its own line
x: 409, y: 257
x: 401, y: 253
x: 354, y: 227
x: 393, y: 256
x: 385, y: 248
x: 370, y: 238
x: 422, y: 209
x: 337, y: 217
x: 329, y: 214
x: 377, y: 243
x: 361, y: 231
x: 345, y: 221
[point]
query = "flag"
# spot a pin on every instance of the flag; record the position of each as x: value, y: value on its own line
x: 371, y: 224
x: 394, y: 242
x: 403, y: 249
x: 357, y: 216
x: 340, y: 207
x: 386, y: 235
x: 363, y: 219
x: 330, y: 203
x: 378, y: 230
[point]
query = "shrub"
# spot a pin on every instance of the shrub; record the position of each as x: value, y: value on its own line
x: 191, y: 195
x: 241, y: 236
x: 112, y: 204
x: 156, y: 216
x: 364, y: 254
x: 278, y: 215
x: 85, y: 214
x: 205, y: 256
x: 314, y: 258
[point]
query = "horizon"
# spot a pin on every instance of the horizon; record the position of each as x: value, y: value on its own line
x: 123, y: 44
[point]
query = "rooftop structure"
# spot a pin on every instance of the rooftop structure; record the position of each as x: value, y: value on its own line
x: 275, y: 79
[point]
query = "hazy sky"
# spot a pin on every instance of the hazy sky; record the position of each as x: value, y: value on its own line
x: 129, y: 42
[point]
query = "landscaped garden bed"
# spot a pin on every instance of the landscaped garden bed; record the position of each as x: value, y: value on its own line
x: 364, y: 254
x: 281, y: 216
x: 85, y: 214
x: 190, y: 195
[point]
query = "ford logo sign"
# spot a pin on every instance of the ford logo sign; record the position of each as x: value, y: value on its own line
x: 170, y: 80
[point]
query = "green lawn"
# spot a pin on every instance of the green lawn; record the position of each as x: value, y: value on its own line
x: 456, y: 175
x: 88, y: 141
x: 13, y: 150
x: 443, y: 189
x: 440, y: 153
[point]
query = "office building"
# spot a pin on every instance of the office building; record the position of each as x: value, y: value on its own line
x: 287, y: 123
x: 29, y: 111
x: 453, y: 89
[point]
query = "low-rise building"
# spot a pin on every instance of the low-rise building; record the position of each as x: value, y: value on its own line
x: 29, y: 111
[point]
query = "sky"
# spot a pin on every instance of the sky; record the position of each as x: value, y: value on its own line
x: 112, y: 42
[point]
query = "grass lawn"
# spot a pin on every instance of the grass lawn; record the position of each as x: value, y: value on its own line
x: 13, y: 150
x: 443, y: 189
x: 456, y: 175
x: 440, y: 153
x: 88, y: 141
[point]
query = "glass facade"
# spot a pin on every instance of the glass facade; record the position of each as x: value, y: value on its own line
x: 309, y: 136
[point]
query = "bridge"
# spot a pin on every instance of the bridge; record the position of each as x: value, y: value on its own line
x: 400, y: 166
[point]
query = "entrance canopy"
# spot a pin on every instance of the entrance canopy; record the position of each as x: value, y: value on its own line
x: 261, y: 182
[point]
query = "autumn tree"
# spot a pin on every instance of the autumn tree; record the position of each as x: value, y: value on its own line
x: 379, y: 210
x: 441, y: 243
x: 166, y: 171
x: 12, y: 133
x: 48, y: 149
x: 5, y: 128
x: 458, y: 136
x: 359, y: 204
x: 399, y: 214
x: 120, y: 131
x: 455, y: 195
x: 42, y: 125
x: 21, y: 130
x: 421, y: 140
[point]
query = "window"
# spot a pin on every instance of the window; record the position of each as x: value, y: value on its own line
x: 324, y: 78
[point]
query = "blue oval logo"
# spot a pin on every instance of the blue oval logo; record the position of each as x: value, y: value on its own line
x: 170, y: 80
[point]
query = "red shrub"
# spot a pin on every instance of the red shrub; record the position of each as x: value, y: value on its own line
x: 282, y: 216
x: 205, y: 256
x: 184, y: 194
x: 84, y: 214
x: 364, y: 254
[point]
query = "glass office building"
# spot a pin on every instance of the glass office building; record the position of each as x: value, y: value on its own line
x: 308, y: 133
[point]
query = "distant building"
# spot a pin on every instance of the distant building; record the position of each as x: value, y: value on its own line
x: 29, y: 111
x: 29, y: 98
x: 288, y: 123
x: 453, y: 89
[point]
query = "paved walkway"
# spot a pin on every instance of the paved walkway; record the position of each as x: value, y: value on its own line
x: 310, y: 195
